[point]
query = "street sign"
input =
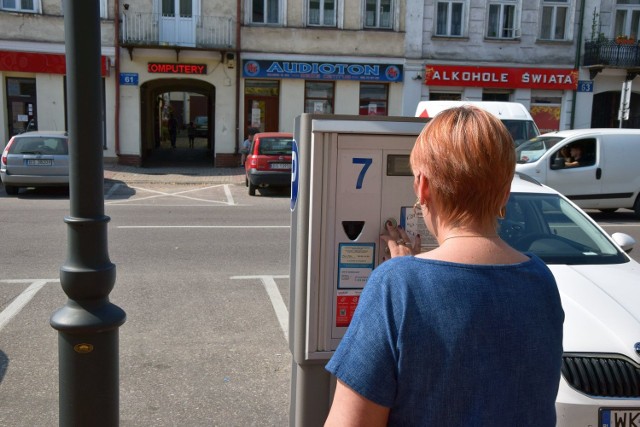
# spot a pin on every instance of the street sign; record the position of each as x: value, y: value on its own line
x: 625, y: 99
x: 585, y: 85
x: 130, y: 79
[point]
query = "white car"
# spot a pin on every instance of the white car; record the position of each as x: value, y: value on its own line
x: 600, y: 289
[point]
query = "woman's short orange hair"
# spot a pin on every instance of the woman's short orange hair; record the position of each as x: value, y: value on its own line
x: 468, y: 157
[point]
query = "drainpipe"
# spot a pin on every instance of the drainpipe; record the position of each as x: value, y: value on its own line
x: 239, y: 126
x: 577, y: 62
x: 117, y: 65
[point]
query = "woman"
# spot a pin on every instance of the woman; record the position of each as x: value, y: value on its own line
x: 467, y: 334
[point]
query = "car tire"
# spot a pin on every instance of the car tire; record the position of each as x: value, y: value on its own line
x: 11, y: 190
x: 252, y: 189
x: 608, y: 210
x: 636, y: 207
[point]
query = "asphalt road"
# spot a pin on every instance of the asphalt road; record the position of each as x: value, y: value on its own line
x: 202, y: 273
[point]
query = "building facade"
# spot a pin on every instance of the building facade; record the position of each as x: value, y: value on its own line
x: 243, y: 64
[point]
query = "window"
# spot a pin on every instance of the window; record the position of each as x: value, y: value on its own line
x: 503, y: 18
x: 22, y: 5
x: 377, y: 14
x: 318, y: 97
x: 555, y: 14
x: 450, y: 18
x: 374, y: 99
x: 265, y: 11
x: 627, y: 18
x: 322, y: 13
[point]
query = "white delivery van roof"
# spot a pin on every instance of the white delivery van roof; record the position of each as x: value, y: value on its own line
x: 502, y: 110
x: 592, y: 132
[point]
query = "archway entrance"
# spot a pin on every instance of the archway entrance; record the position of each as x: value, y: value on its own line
x: 605, y: 111
x: 186, y: 100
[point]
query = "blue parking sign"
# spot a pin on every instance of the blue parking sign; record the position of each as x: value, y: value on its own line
x: 294, y: 175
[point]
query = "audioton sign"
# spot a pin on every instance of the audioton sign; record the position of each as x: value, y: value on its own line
x: 322, y: 70
x: 501, y: 77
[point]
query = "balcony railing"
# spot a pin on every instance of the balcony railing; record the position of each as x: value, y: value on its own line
x: 153, y: 29
x: 611, y: 53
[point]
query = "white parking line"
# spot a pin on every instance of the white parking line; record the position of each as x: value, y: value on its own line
x: 112, y: 190
x: 277, y: 302
x: 178, y: 194
x: 21, y: 300
x: 206, y: 226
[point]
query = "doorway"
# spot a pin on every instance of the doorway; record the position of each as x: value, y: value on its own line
x: 605, y: 108
x: 262, y: 105
x: 182, y: 100
x: 21, y: 105
x: 177, y: 22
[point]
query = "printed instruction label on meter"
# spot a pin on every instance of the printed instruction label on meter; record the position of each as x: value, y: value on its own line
x: 346, y: 304
x: 355, y: 264
x: 413, y: 223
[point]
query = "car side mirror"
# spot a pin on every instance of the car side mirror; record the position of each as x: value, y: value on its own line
x: 625, y: 241
x: 558, y: 163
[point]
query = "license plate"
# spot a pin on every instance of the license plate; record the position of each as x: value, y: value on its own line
x: 39, y: 162
x: 280, y: 165
x: 619, y: 417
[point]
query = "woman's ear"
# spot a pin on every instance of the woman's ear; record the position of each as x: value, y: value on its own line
x: 421, y: 184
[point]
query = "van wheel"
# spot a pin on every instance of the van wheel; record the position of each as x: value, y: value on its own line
x: 252, y: 189
x: 11, y: 190
x: 608, y: 210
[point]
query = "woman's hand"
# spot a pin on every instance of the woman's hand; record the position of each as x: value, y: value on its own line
x: 398, y: 243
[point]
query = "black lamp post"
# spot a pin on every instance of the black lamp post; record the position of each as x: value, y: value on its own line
x: 88, y: 323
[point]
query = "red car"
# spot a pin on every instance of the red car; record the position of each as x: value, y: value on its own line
x: 268, y: 163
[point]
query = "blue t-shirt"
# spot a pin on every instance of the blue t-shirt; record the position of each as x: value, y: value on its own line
x: 447, y: 344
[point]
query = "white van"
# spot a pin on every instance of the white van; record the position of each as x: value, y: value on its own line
x: 595, y: 168
x: 513, y: 114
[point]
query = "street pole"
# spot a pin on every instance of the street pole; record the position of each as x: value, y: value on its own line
x: 88, y: 323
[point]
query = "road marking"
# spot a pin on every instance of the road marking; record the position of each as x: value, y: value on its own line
x: 277, y: 302
x: 21, y: 300
x: 178, y: 194
x: 112, y: 190
x: 227, y: 191
x: 205, y: 226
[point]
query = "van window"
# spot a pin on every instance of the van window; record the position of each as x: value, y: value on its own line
x: 531, y: 150
x: 580, y: 153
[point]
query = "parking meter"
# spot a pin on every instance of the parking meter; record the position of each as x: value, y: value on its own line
x: 351, y: 174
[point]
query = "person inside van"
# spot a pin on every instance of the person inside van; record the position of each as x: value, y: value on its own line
x: 576, y: 157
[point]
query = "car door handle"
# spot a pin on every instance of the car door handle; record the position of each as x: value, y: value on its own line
x: 598, y: 173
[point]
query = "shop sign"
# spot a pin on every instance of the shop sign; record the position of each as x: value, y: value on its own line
x: 161, y: 67
x: 322, y: 70
x: 500, y: 77
x: 37, y: 62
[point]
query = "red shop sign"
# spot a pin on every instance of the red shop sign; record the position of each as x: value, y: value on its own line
x: 499, y: 77
x: 37, y: 62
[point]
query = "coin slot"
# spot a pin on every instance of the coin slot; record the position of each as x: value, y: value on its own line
x: 352, y: 228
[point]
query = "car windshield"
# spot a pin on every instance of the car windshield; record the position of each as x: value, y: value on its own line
x: 40, y: 145
x: 531, y: 150
x: 275, y: 146
x: 521, y: 130
x: 551, y: 228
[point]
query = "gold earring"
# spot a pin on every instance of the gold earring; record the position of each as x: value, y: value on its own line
x: 503, y: 212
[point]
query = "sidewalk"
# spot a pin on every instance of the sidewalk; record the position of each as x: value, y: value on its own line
x: 173, y: 175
